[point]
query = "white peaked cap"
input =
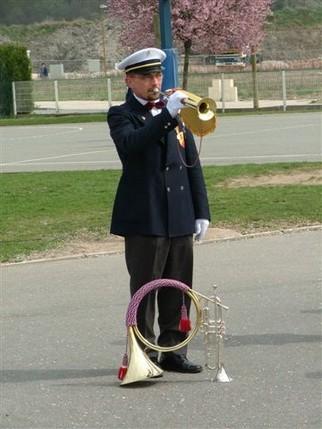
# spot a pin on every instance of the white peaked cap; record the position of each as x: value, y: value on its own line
x: 144, y: 61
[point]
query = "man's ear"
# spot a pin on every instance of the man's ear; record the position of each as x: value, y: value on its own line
x: 127, y: 80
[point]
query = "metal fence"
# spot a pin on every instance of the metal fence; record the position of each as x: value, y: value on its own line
x: 275, y: 88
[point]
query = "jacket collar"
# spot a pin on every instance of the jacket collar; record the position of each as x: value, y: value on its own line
x: 135, y: 105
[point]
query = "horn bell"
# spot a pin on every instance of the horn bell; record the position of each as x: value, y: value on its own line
x: 199, y: 114
x: 140, y: 367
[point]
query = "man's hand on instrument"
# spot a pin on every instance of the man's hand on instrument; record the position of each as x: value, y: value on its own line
x: 176, y: 101
x: 201, y: 226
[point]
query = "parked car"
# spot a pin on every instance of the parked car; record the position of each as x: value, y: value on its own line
x: 230, y: 58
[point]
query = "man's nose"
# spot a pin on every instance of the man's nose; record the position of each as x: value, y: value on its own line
x: 155, y: 80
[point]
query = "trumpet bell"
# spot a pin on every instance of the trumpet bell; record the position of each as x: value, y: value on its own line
x: 199, y: 114
x: 222, y: 376
x: 140, y: 366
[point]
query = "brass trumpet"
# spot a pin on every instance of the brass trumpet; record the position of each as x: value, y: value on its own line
x: 199, y: 114
x: 137, y: 366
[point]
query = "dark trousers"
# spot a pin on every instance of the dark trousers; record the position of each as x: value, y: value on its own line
x: 150, y: 258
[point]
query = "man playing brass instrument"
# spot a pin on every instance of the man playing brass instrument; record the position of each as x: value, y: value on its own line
x: 160, y: 202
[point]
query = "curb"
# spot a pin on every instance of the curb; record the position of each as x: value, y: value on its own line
x: 265, y: 233
x: 203, y: 243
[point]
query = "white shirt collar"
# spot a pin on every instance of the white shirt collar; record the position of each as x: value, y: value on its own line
x: 154, y: 111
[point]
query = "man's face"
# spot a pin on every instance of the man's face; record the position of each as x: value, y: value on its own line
x: 143, y: 85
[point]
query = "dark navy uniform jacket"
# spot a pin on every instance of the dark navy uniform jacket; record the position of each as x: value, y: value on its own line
x: 157, y: 194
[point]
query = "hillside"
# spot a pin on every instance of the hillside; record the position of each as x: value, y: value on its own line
x: 295, y: 4
x: 68, y: 42
x: 22, y: 12
x: 292, y: 34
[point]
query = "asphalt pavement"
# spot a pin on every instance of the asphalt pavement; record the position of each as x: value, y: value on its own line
x: 63, y: 336
x: 288, y: 137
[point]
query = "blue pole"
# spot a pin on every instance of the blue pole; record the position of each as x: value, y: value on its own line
x: 170, y: 74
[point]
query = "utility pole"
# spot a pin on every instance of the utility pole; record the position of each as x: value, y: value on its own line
x: 103, y: 7
x: 170, y: 79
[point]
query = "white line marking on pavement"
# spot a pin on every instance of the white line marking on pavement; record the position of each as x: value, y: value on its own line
x: 67, y: 130
x: 300, y: 155
x: 64, y: 163
x: 27, y: 161
x: 117, y: 161
x: 262, y: 130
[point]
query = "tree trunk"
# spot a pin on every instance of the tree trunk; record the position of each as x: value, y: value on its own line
x: 187, y: 51
x: 156, y: 29
x: 254, y: 76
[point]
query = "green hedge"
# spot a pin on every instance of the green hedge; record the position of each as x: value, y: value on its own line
x: 14, y: 66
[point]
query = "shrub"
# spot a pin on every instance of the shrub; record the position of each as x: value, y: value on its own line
x: 14, y: 66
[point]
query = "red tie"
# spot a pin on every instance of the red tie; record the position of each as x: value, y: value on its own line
x: 158, y: 105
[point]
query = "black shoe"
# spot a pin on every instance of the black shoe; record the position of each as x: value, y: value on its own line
x: 178, y: 363
x: 154, y: 359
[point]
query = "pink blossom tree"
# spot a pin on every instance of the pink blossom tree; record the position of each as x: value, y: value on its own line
x: 203, y: 26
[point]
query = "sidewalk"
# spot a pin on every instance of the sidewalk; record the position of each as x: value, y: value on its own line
x: 113, y: 245
x: 92, y: 106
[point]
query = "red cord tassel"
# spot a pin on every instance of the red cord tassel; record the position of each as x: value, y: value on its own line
x: 123, y: 368
x: 185, y: 323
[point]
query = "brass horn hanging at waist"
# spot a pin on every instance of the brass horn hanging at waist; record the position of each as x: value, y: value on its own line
x: 199, y: 114
x: 136, y: 365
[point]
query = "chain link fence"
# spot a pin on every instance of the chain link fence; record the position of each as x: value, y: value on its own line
x: 229, y: 89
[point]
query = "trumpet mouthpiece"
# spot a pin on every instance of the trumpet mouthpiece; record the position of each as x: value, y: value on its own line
x: 156, y: 90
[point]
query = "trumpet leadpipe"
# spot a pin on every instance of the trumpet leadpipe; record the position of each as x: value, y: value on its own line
x: 166, y: 94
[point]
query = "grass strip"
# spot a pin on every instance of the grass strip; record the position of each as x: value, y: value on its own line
x: 39, y: 211
x: 53, y: 119
x: 101, y: 117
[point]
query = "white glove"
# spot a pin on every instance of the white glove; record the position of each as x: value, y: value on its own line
x: 175, y: 102
x: 201, y: 226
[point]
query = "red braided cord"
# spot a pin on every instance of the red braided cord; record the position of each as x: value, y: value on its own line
x: 144, y: 290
